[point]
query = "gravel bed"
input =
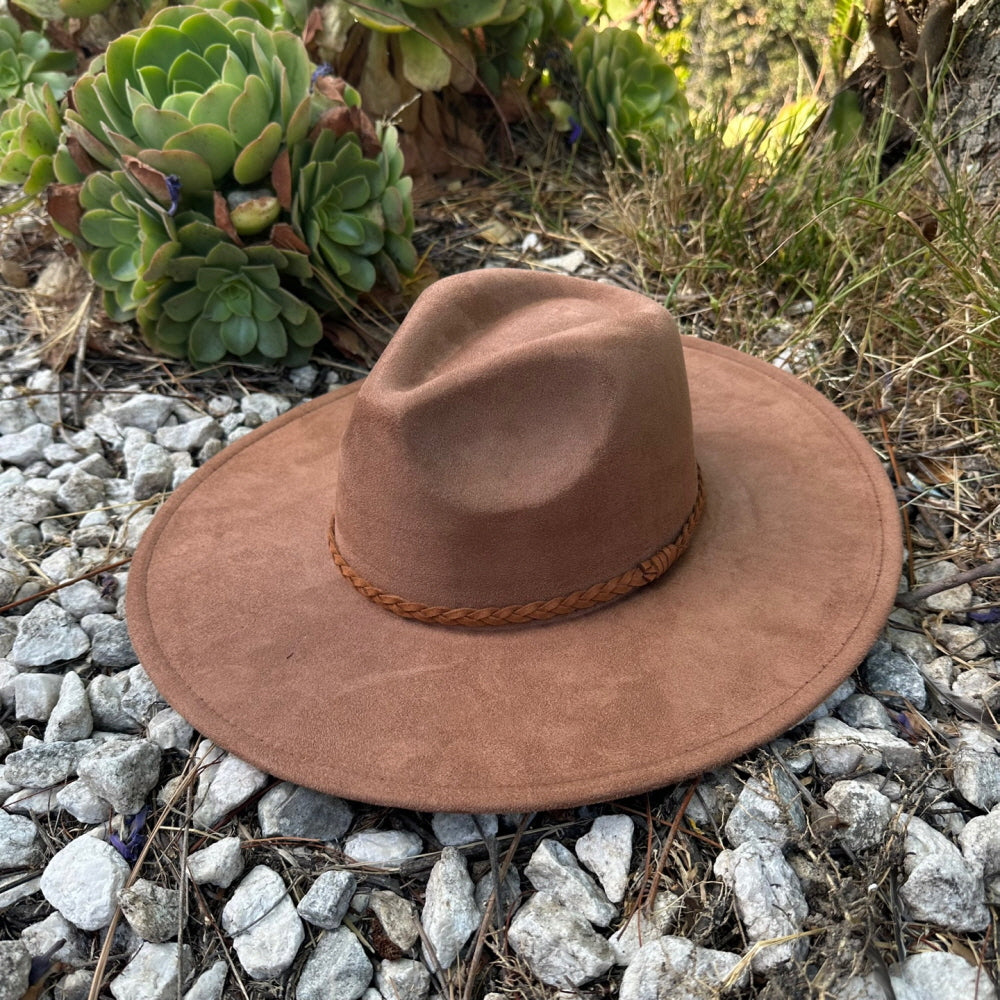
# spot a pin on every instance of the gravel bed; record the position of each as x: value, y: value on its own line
x: 858, y: 858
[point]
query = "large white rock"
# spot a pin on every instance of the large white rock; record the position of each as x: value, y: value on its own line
x: 123, y: 772
x: 153, y: 973
x: 41, y: 938
x: 36, y: 695
x: 71, y: 718
x: 553, y: 869
x: 397, y: 916
x: 338, y: 967
x: 767, y: 809
x: 769, y: 900
x: 864, y: 812
x: 144, y: 410
x: 209, y: 985
x: 942, y: 886
x: 403, y: 979
x: 975, y: 767
x: 450, y: 914
x: 19, y: 843
x: 82, y: 882
x: 289, y: 810
x: 382, y: 848
x: 219, y: 864
x: 267, y: 932
x: 48, y: 634
x: 607, y: 851
x: 839, y: 749
x: 151, y: 910
x: 560, y: 946
x: 223, y: 787
x: 326, y: 902
x: 980, y: 840
x: 940, y: 975
x: 672, y: 968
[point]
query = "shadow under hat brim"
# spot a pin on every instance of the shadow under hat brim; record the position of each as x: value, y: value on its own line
x: 247, y: 627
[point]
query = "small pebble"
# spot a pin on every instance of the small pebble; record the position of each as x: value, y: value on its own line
x: 154, y: 973
x: 218, y: 864
x: 210, y: 984
x: 893, y: 676
x: 48, y: 634
x: 553, y: 870
x: 559, y: 946
x: 382, y: 848
x: 151, y: 910
x: 289, y: 810
x: 261, y: 919
x: 769, y: 900
x: 607, y: 851
x: 863, y: 812
x: 337, y: 967
x: 457, y: 829
x: 450, y: 914
x: 15, y: 964
x: 328, y: 898
x: 82, y: 882
x: 397, y: 916
x: 71, y: 718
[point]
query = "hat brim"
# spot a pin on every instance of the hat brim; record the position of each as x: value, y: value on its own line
x: 247, y: 627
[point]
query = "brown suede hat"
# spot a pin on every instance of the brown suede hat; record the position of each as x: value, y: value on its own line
x: 549, y: 552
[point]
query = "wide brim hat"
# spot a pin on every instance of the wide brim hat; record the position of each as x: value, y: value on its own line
x: 631, y: 557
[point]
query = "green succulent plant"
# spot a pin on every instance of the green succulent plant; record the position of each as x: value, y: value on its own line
x: 129, y: 239
x: 27, y: 58
x: 354, y: 212
x: 506, y: 44
x: 208, y: 98
x: 219, y: 299
x: 436, y: 43
x: 30, y: 151
x: 630, y: 96
x: 267, y: 14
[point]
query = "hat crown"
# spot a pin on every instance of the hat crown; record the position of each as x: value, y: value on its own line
x: 524, y: 435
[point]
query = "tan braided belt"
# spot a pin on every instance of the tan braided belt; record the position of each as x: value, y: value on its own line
x: 535, y: 611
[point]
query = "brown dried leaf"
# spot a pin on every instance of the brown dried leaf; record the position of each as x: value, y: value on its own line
x: 285, y: 238
x: 313, y: 23
x: 149, y: 177
x: 222, y: 218
x: 281, y: 180
x: 80, y: 156
x: 63, y: 205
x: 342, y: 119
x: 345, y: 339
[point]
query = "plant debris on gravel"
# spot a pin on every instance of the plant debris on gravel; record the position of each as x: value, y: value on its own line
x: 855, y: 858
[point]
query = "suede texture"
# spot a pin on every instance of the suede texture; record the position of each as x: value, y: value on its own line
x: 245, y: 624
x: 522, y: 439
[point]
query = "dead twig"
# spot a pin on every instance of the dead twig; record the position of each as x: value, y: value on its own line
x: 912, y: 599
x: 665, y: 849
x: 66, y: 583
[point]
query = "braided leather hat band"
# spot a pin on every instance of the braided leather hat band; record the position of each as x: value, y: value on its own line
x: 644, y: 573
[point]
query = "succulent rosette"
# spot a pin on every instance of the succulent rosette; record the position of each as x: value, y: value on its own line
x: 26, y: 57
x: 220, y: 299
x: 354, y: 212
x: 129, y: 239
x: 197, y: 94
x: 30, y: 150
x: 630, y: 95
